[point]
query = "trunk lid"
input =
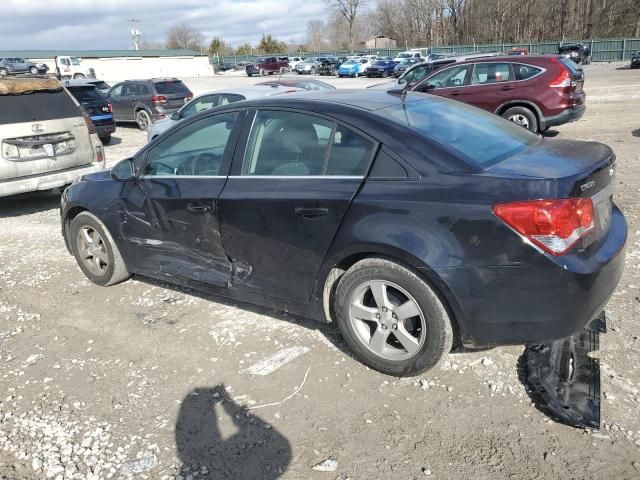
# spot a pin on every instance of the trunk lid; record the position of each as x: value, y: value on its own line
x: 176, y: 93
x: 581, y: 169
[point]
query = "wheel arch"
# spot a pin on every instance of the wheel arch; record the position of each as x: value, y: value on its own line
x: 526, y: 104
x: 340, y: 263
x: 69, y: 215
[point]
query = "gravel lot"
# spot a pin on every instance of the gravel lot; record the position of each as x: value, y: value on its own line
x: 144, y: 380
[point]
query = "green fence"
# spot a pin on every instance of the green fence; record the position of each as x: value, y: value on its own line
x: 603, y: 50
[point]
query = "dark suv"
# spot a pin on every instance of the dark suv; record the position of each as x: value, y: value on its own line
x: 577, y: 52
x: 536, y: 92
x: 96, y: 106
x: 15, y: 65
x: 635, y: 60
x: 145, y: 101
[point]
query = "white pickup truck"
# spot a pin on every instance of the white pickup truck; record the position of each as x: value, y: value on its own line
x: 70, y: 67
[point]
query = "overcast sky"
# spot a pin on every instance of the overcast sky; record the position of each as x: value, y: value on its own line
x: 87, y: 24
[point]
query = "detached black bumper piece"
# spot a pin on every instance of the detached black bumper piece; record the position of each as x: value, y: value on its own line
x: 566, y: 378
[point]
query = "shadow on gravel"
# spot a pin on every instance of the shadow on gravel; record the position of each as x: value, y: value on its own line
x: 28, y: 203
x: 256, y: 451
x: 636, y: 132
x: 114, y: 141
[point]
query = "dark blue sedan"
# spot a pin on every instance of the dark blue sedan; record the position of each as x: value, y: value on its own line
x: 412, y: 221
x: 380, y: 68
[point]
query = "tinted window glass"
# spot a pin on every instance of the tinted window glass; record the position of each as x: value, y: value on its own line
x: 143, y: 90
x: 130, y: 89
x: 37, y: 106
x: 86, y: 94
x: 349, y: 155
x: 196, y: 149
x: 116, y: 91
x: 386, y: 167
x: 449, y: 77
x: 484, y: 73
x: 226, y: 98
x: 101, y: 85
x: 483, y: 137
x: 286, y: 144
x: 523, y: 72
x: 171, y: 87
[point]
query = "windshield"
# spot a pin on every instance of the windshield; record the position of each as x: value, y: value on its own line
x: 309, y: 60
x: 380, y: 63
x: 86, y: 94
x: 404, y: 55
x: 350, y: 62
x: 75, y: 61
x: 171, y: 87
x: 482, y: 137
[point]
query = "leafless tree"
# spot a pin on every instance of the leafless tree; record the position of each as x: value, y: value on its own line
x: 349, y: 10
x: 315, y: 34
x: 184, y: 36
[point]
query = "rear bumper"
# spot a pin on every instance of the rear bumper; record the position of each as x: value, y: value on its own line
x: 568, y: 115
x: 545, y: 300
x: 46, y: 181
x: 105, y: 129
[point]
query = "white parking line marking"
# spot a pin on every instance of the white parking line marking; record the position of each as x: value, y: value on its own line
x: 275, y: 361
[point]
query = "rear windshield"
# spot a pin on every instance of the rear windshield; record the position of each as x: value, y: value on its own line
x: 86, y: 94
x: 102, y: 85
x: 171, y: 87
x: 37, y: 106
x: 572, y: 66
x: 482, y: 137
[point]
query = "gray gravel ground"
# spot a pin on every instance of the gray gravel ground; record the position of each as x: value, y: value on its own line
x: 142, y: 380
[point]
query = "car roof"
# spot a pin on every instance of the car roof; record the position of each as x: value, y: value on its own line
x: 154, y: 80
x: 253, y: 91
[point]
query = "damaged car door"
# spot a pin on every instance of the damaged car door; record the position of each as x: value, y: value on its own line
x: 171, y: 218
x: 285, y: 199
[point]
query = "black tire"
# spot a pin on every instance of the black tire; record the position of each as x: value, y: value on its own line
x: 340, y: 76
x: 385, y: 74
x: 312, y: 71
x: 262, y: 72
x: 249, y: 75
x: 283, y: 70
x: 435, y: 342
x: 78, y: 76
x: 115, y: 270
x: 143, y: 119
x: 33, y: 70
x: 4, y: 72
x: 523, y: 117
x: 106, y: 139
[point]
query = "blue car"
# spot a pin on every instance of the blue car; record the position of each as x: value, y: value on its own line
x: 350, y: 68
x: 380, y: 68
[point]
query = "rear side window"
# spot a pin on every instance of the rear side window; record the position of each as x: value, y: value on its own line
x: 171, y: 87
x: 37, y: 106
x: 86, y: 94
x: 482, y: 137
x: 484, y: 73
x: 524, y: 72
x: 295, y: 144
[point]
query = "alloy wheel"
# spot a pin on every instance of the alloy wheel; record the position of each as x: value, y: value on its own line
x: 520, y: 120
x: 143, y: 120
x: 92, y: 250
x: 387, y: 320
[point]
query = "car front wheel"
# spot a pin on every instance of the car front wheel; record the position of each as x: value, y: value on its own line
x: 33, y: 70
x: 392, y: 319
x: 95, y: 251
x: 4, y: 72
x: 523, y: 117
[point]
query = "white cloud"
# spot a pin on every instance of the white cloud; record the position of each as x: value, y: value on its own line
x: 85, y: 24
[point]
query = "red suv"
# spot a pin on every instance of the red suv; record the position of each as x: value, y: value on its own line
x: 536, y: 91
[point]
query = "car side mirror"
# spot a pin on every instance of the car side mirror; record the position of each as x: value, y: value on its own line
x: 174, y: 116
x: 124, y: 170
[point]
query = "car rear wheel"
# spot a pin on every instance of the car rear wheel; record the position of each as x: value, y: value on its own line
x: 392, y: 319
x: 78, y: 76
x: 33, y: 70
x: 4, y: 72
x: 283, y: 70
x: 143, y: 120
x: 95, y: 251
x: 385, y: 74
x: 262, y: 72
x: 312, y: 71
x: 523, y: 117
x: 106, y: 139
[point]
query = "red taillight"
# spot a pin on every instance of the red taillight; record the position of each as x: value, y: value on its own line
x: 553, y: 225
x: 89, y: 122
x: 158, y: 99
x: 110, y: 108
x: 99, y: 154
x: 563, y: 79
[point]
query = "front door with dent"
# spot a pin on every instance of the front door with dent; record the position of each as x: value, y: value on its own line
x: 171, y: 221
x: 284, y: 202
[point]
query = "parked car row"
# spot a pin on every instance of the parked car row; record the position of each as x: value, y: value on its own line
x: 18, y: 65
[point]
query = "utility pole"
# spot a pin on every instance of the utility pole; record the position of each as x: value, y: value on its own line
x: 135, y: 33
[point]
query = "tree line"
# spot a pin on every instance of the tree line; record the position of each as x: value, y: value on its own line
x: 415, y: 23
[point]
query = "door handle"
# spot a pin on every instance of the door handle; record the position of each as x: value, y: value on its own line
x: 455, y: 92
x: 507, y: 87
x: 307, y: 212
x: 199, y: 207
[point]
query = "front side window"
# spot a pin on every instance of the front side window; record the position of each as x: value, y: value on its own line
x: 197, y: 149
x: 116, y: 91
x: 449, y: 77
x: 484, y: 73
x: 295, y: 144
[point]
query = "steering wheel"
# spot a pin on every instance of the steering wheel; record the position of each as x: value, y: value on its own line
x: 210, y: 161
x: 158, y: 171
